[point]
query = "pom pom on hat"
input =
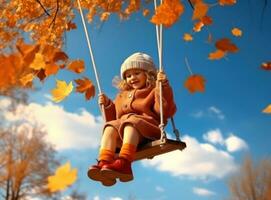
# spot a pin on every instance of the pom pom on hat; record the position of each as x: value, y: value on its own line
x: 137, y: 61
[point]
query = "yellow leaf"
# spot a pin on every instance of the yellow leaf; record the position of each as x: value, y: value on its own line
x: 187, y: 37
x: 267, y: 109
x: 236, y: 32
x: 27, y: 79
x: 64, y: 177
x: 38, y: 62
x: 61, y: 91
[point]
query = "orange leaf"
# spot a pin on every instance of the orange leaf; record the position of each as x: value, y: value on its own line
x: 226, y: 45
x: 218, y: 54
x: 51, y: 68
x: 27, y: 79
x: 85, y: 86
x: 168, y: 13
x: 197, y: 26
x: 77, y: 66
x: 41, y: 74
x: 266, y: 65
x: 104, y: 16
x: 236, y: 32
x: 200, y: 10
x: 60, y: 55
x: 206, y: 20
x: 28, y: 51
x: 226, y: 2
x: 146, y: 12
x: 195, y: 83
x: 267, y: 110
x: 70, y: 25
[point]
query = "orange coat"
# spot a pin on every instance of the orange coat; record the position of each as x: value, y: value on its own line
x: 140, y: 107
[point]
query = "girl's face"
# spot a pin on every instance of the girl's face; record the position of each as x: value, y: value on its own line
x: 136, y: 78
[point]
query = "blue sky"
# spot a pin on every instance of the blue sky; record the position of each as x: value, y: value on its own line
x: 220, y: 126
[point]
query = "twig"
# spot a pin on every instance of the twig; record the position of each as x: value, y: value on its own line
x: 54, y: 19
x: 188, y: 66
x: 47, y: 13
x: 191, y: 4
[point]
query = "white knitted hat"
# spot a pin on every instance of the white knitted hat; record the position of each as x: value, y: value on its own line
x: 137, y: 61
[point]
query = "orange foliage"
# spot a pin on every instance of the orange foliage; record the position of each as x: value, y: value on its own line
x: 168, y: 13
x: 85, y: 86
x: 266, y: 65
x: 195, y: 83
x: 200, y: 10
x: 226, y: 2
x: 236, y: 32
x: 77, y: 66
x: 216, y: 55
x: 225, y: 44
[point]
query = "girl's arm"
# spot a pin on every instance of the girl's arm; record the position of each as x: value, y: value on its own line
x: 169, y: 107
x: 109, y: 107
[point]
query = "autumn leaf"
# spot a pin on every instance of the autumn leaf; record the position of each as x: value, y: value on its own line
x: 70, y: 25
x: 168, y: 13
x: 187, y: 37
x: 146, y: 12
x: 197, y: 26
x: 38, y: 62
x: 267, y: 110
x: 51, y: 69
x: 266, y: 65
x: 195, y: 83
x: 63, y: 177
x: 236, y: 32
x: 77, y: 66
x: 27, y: 79
x: 207, y: 20
x: 41, y: 74
x: 216, y: 55
x: 61, y: 91
x: 225, y: 44
x: 27, y: 51
x: 226, y: 2
x: 85, y: 86
x: 104, y: 16
x: 200, y: 10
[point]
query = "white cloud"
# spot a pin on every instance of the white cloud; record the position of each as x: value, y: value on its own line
x: 115, y: 198
x: 159, y: 189
x: 198, y: 161
x: 212, y: 111
x: 215, y: 111
x: 96, y: 197
x: 234, y: 143
x: 66, y: 130
x: 203, y: 192
x: 214, y: 137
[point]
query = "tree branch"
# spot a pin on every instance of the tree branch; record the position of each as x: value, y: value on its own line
x: 47, y: 13
x: 54, y: 19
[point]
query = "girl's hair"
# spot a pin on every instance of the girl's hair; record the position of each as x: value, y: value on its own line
x: 122, y: 84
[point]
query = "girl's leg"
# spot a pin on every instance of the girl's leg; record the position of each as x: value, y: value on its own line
x: 121, y: 167
x: 108, y: 144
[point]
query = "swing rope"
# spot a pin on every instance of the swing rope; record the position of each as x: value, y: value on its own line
x: 159, y: 39
x: 91, y: 55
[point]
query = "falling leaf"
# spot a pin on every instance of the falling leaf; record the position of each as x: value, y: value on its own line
x: 64, y: 177
x: 168, y: 13
x: 266, y: 65
x: 27, y: 79
x: 236, y: 32
x: 187, y: 37
x: 218, y: 54
x: 226, y: 45
x: 85, y: 86
x: 267, y: 109
x: 210, y: 38
x: 38, y: 62
x: 146, y: 12
x: 195, y: 83
x: 77, y: 66
x: 200, y: 10
x: 59, y: 55
x: 104, y: 16
x: 51, y: 68
x: 41, y: 74
x: 61, y: 91
x: 226, y: 2
x: 197, y: 26
x: 70, y: 25
x: 207, y: 20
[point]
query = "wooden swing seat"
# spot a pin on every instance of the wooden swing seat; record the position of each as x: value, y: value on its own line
x: 158, y: 147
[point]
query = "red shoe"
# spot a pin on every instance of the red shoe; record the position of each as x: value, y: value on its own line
x: 94, y: 173
x: 120, y: 168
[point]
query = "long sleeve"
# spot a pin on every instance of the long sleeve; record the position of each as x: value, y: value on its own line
x: 110, y: 111
x: 169, y: 107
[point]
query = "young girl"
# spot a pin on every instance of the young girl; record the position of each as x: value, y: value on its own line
x: 132, y: 118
